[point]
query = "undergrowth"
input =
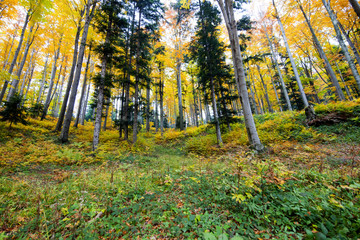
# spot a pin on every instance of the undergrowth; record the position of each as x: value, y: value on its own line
x: 181, y: 185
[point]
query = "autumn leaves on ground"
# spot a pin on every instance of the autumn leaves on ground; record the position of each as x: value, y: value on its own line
x: 182, y: 185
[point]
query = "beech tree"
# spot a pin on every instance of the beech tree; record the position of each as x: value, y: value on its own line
x: 227, y: 10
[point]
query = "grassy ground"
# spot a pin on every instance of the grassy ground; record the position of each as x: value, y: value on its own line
x: 181, y: 186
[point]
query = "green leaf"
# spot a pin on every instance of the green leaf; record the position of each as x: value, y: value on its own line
x: 209, y: 236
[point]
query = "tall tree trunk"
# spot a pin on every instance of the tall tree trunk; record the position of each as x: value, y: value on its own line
x: 53, y: 73
x: 341, y: 42
x: 156, y: 122
x: 286, y: 95
x: 351, y: 44
x: 106, y: 115
x: 71, y: 76
x: 6, y: 83
x: 56, y: 92
x: 148, y: 106
x: 272, y: 83
x: 27, y: 72
x: 30, y: 79
x: 82, y: 122
x: 126, y: 114
x: 137, y: 82
x: 42, y: 85
x: 195, y: 105
x: 67, y: 121
x: 200, y: 108
x: 257, y: 97
x: 322, y: 54
x: 11, y: 46
x: 179, y: 90
x: 343, y: 81
x: 356, y: 6
x: 81, y: 103
x: 56, y: 111
x: 228, y: 14
x: 16, y: 81
x: 297, y: 77
x: 161, y: 90
x: 265, y: 90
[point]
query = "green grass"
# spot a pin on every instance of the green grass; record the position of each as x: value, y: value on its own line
x: 304, y: 187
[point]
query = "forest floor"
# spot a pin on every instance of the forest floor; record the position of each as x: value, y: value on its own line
x: 182, y: 186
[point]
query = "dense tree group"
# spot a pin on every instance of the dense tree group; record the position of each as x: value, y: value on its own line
x: 143, y: 63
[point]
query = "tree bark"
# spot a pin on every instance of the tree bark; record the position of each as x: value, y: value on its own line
x: 81, y: 103
x: 148, y: 106
x: 343, y: 81
x: 341, y: 42
x: 301, y: 89
x: 128, y: 80
x: 6, y: 83
x: 67, y: 121
x: 356, y: 6
x: 322, y: 54
x: 137, y: 81
x: 106, y: 115
x: 53, y: 73
x: 71, y: 76
x: 27, y: 72
x: 43, y: 80
x: 82, y: 122
x: 351, y: 44
x: 286, y: 95
x: 228, y: 14
x: 161, y: 90
x: 11, y: 46
x: 56, y: 111
x: 265, y: 90
x: 16, y: 81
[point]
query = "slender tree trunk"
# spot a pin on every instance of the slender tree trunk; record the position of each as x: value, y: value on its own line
x: 126, y: 114
x: 228, y: 14
x: 161, y: 90
x: 195, y: 105
x: 11, y: 46
x: 356, y: 6
x: 286, y: 95
x: 200, y: 108
x: 341, y: 42
x: 179, y: 90
x: 56, y: 111
x: 351, y: 44
x: 297, y: 77
x: 6, y: 83
x: 343, y: 81
x: 43, y: 80
x: 106, y: 115
x: 27, y: 72
x: 71, y: 76
x: 56, y: 92
x: 137, y: 81
x: 67, y: 121
x: 156, y: 122
x: 16, y: 81
x: 53, y: 73
x: 257, y: 97
x: 272, y: 83
x: 81, y: 103
x: 265, y: 90
x: 148, y: 106
x: 82, y: 122
x: 30, y: 79
x: 322, y: 54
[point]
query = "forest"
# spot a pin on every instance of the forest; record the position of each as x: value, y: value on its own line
x: 180, y: 119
